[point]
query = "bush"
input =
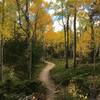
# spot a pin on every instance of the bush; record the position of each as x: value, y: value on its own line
x: 11, y: 91
x: 82, y: 76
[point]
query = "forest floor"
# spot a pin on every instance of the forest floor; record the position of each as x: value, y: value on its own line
x: 82, y: 76
x: 45, y: 78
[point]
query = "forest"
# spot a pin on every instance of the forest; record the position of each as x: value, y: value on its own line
x: 49, y: 49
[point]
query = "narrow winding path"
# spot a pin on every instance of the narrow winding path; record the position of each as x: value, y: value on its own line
x: 45, y: 78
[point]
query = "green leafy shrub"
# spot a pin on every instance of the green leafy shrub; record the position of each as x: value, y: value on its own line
x: 11, y: 91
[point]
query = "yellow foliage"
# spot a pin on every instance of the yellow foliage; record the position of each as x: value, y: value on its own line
x: 84, y: 44
x: 6, y: 32
x: 97, y: 37
x: 54, y: 37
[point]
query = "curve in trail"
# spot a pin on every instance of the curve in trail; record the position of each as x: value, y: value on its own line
x: 45, y: 78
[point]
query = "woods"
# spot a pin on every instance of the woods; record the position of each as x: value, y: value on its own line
x: 65, y: 32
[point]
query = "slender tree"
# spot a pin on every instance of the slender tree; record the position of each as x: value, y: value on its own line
x: 74, y: 53
x: 66, y: 32
x: 29, y: 40
x: 68, y: 37
x: 28, y: 33
x: 1, y: 41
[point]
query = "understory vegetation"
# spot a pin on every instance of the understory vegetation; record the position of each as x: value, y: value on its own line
x: 76, y: 82
x: 19, y: 88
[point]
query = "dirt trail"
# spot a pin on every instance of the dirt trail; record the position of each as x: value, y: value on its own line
x: 45, y: 78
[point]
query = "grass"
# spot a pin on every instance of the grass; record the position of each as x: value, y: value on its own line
x: 37, y: 69
x: 13, y: 90
x: 61, y: 75
x: 82, y: 76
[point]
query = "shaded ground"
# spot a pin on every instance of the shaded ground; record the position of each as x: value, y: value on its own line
x: 45, y: 78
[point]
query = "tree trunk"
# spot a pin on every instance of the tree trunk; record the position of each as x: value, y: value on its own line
x: 1, y: 57
x: 29, y: 40
x: 2, y: 42
x: 74, y: 51
x: 65, y: 40
x: 93, y: 53
x: 67, y: 50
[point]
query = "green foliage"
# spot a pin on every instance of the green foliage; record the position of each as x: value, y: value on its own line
x: 12, y: 91
x: 37, y: 52
x: 37, y: 69
x: 14, y: 50
x: 15, y: 57
x: 81, y: 75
